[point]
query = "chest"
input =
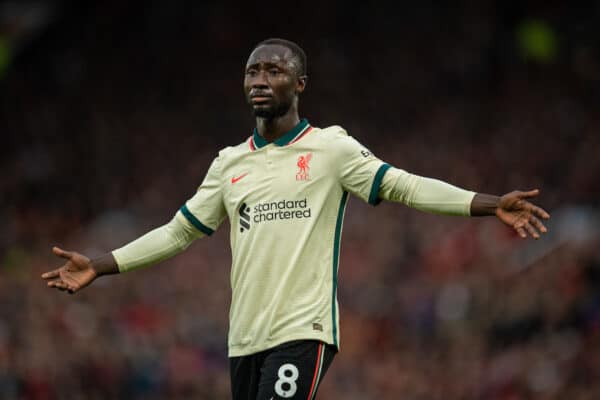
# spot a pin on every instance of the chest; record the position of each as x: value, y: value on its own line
x: 277, y: 174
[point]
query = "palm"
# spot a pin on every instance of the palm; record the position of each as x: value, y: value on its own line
x: 74, y: 275
x: 77, y: 272
x: 522, y: 215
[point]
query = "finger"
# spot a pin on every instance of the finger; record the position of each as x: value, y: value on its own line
x: 539, y: 212
x: 521, y: 231
x: 58, y: 284
x: 71, y: 283
x: 538, y: 224
x: 62, y: 253
x: 532, y: 231
x: 51, y: 274
x: 529, y: 193
x: 532, y: 208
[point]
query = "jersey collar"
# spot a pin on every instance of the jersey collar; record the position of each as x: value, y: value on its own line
x: 287, y: 138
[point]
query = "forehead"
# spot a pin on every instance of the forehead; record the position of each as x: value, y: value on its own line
x: 271, y: 53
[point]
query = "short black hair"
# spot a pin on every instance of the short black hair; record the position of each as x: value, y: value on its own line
x: 296, y: 50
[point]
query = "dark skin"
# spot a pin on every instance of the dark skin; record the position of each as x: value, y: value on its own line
x: 272, y: 85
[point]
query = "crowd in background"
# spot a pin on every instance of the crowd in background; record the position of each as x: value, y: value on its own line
x: 111, y: 114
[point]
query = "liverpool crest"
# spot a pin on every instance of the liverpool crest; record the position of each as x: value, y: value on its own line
x: 302, y: 174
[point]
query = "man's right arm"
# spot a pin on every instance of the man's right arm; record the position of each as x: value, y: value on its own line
x: 157, y: 245
x: 200, y: 215
x: 151, y: 248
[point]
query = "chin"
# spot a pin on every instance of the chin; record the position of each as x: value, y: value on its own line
x: 266, y: 113
x: 269, y: 112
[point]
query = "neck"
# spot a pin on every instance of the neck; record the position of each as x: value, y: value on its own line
x: 273, y: 129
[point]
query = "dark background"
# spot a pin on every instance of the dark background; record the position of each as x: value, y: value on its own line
x: 110, y: 113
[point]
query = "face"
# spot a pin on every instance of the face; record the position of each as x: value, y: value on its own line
x: 271, y: 83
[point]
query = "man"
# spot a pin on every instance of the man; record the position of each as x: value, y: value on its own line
x: 285, y: 191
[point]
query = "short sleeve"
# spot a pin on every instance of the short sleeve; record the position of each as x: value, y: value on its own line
x: 206, y: 210
x: 360, y: 171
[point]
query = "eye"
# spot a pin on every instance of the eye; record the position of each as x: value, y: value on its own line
x: 251, y: 72
x: 274, y: 71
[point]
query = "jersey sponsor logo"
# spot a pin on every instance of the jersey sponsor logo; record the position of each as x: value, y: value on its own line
x: 281, y: 210
x: 244, y: 217
x: 272, y: 211
x: 302, y: 174
x: 234, y: 179
x: 317, y: 327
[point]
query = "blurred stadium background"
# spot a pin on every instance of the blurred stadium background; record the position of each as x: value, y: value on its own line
x: 111, y: 111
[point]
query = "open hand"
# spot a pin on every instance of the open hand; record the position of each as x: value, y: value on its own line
x: 74, y: 275
x: 521, y: 215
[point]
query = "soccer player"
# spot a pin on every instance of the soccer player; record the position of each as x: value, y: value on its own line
x: 284, y: 190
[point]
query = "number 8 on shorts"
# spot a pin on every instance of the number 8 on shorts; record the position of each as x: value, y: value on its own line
x: 286, y: 384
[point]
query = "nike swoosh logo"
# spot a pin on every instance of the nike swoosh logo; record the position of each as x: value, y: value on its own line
x: 234, y: 179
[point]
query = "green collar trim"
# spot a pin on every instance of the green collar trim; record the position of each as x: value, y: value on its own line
x: 259, y: 141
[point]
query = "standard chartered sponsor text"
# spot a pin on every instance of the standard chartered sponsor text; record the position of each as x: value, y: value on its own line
x: 280, y: 210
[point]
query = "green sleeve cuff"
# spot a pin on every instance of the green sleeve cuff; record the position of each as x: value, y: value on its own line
x: 374, y: 195
x: 194, y: 221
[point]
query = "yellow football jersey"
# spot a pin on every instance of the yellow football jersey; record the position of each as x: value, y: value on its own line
x: 286, y: 201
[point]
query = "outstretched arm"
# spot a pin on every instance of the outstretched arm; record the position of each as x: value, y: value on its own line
x: 199, y: 216
x: 159, y: 244
x: 435, y: 196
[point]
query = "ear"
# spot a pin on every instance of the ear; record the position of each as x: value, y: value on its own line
x: 301, y: 84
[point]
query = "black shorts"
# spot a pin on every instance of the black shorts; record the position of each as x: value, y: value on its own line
x: 291, y: 370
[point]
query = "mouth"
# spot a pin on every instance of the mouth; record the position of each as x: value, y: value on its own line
x: 260, y: 99
x: 259, y: 96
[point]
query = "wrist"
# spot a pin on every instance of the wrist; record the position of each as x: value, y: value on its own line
x: 104, y: 265
x: 484, y: 205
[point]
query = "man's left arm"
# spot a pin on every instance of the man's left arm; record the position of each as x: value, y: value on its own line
x: 372, y: 180
x: 435, y: 196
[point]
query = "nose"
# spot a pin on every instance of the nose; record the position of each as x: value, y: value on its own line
x: 259, y: 80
